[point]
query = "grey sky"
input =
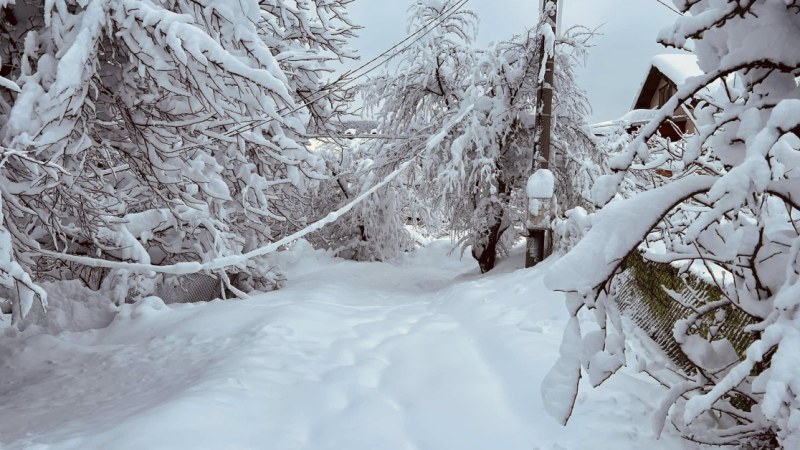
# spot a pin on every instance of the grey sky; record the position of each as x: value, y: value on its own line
x: 617, y: 62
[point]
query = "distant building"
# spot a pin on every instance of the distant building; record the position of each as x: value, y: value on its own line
x: 666, y: 73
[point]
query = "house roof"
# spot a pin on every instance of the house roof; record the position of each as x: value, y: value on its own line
x: 676, y: 68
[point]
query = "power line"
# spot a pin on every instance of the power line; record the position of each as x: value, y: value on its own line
x: 670, y: 7
x: 343, y: 80
x: 328, y: 90
x: 447, y: 12
x: 221, y: 263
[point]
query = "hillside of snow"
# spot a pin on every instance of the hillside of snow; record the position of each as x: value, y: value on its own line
x: 424, y: 353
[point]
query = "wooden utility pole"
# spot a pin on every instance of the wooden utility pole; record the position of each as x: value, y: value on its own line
x: 537, y: 246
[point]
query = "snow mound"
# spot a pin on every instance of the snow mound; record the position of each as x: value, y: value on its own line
x: 72, y: 307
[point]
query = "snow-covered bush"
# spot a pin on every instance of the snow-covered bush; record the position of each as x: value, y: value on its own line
x: 479, y: 106
x: 732, y: 211
x: 159, y: 131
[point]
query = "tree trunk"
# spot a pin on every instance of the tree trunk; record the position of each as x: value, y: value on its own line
x: 487, y: 255
x: 484, y: 249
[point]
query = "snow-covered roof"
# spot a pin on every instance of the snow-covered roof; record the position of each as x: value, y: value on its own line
x: 677, y: 67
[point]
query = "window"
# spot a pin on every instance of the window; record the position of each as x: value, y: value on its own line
x: 664, y: 94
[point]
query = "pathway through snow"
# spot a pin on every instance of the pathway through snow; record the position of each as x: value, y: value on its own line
x: 423, y: 354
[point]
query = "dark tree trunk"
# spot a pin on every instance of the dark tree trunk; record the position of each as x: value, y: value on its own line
x: 484, y: 249
x: 487, y: 255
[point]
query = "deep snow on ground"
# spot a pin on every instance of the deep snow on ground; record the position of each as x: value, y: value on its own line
x: 424, y: 353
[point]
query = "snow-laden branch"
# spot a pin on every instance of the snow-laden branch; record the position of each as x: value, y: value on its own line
x: 638, y: 147
x: 743, y: 234
x: 196, y: 109
x: 616, y: 231
x: 188, y: 267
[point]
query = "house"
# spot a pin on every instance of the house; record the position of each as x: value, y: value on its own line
x: 665, y: 74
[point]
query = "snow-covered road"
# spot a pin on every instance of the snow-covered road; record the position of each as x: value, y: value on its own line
x: 421, y: 354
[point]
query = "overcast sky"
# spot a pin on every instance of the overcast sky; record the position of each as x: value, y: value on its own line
x: 617, y: 62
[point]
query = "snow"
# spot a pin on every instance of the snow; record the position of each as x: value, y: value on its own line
x: 677, y: 67
x: 541, y: 184
x: 423, y: 353
x: 637, y: 116
x: 632, y: 117
x: 541, y: 202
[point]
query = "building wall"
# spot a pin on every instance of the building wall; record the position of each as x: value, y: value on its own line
x: 663, y: 92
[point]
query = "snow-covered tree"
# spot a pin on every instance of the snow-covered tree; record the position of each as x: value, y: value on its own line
x: 160, y: 131
x: 732, y: 211
x: 375, y: 228
x: 478, y: 106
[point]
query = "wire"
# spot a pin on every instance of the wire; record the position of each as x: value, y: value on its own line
x: 449, y: 11
x: 670, y: 7
x: 343, y: 80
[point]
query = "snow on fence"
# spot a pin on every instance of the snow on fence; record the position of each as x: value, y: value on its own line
x: 643, y: 293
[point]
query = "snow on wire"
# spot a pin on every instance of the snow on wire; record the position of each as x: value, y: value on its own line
x: 190, y: 267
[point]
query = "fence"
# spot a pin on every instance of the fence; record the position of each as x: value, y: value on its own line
x: 641, y: 296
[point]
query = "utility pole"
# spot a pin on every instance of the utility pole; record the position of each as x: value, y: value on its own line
x: 539, y: 209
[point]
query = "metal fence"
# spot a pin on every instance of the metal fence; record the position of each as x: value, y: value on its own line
x: 641, y: 296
